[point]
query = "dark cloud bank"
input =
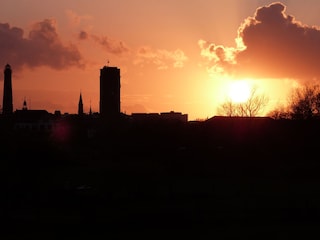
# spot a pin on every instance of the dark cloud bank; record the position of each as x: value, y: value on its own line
x: 42, y: 47
x: 275, y: 46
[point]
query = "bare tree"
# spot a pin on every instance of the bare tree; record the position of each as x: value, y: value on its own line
x: 304, y: 102
x: 281, y: 112
x: 250, y: 108
x: 255, y: 104
x: 227, y: 108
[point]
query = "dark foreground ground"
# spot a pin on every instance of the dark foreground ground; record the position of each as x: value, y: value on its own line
x: 220, y: 182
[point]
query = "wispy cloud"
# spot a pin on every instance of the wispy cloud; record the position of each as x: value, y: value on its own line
x: 162, y: 58
x: 108, y: 44
x: 76, y: 19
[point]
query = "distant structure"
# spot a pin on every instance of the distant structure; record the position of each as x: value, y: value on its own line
x: 24, y: 106
x: 32, y: 121
x: 110, y: 93
x: 7, y: 103
x: 80, y: 106
x: 90, y: 110
x: 168, y: 117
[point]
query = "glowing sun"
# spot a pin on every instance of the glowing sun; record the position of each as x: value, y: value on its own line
x: 239, y: 91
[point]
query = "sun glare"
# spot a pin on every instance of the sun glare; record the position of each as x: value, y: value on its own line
x: 239, y: 91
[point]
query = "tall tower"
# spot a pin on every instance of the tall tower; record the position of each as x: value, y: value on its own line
x: 80, y: 106
x: 7, y: 91
x: 110, y: 93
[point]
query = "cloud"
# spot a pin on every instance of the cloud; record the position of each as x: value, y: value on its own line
x: 76, y: 19
x: 83, y: 35
x: 220, y: 57
x: 110, y: 45
x: 161, y: 58
x: 271, y: 44
x: 42, y: 47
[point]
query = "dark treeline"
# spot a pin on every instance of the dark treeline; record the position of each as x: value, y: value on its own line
x: 221, y: 177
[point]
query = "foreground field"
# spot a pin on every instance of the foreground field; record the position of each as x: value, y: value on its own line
x: 260, y: 181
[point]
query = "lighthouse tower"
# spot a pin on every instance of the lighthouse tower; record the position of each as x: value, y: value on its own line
x: 7, y: 103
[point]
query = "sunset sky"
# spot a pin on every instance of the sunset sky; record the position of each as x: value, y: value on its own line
x: 181, y: 55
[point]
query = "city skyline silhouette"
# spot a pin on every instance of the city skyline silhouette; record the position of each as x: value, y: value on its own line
x: 109, y: 104
x: 121, y: 120
x: 123, y: 175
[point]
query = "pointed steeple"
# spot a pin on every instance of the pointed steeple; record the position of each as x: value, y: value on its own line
x: 90, y: 111
x: 80, y: 106
x: 24, y: 107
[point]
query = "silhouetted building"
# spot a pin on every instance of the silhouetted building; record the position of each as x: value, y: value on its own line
x: 174, y: 116
x: 110, y: 93
x: 163, y: 117
x: 7, y: 103
x: 80, y: 106
x: 33, y: 120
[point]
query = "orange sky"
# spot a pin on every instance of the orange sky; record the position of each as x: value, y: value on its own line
x: 173, y: 55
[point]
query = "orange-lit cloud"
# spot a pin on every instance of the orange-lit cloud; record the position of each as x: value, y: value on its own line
x: 271, y: 44
x: 110, y: 45
x: 221, y: 58
x: 42, y: 47
x: 160, y: 57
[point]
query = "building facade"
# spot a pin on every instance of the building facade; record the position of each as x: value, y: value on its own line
x: 110, y: 93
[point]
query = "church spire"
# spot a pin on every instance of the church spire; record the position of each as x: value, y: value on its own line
x: 80, y: 105
x: 90, y: 111
x: 24, y: 106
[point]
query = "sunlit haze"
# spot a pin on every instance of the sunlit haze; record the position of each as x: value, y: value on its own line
x: 173, y: 56
x: 239, y: 91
